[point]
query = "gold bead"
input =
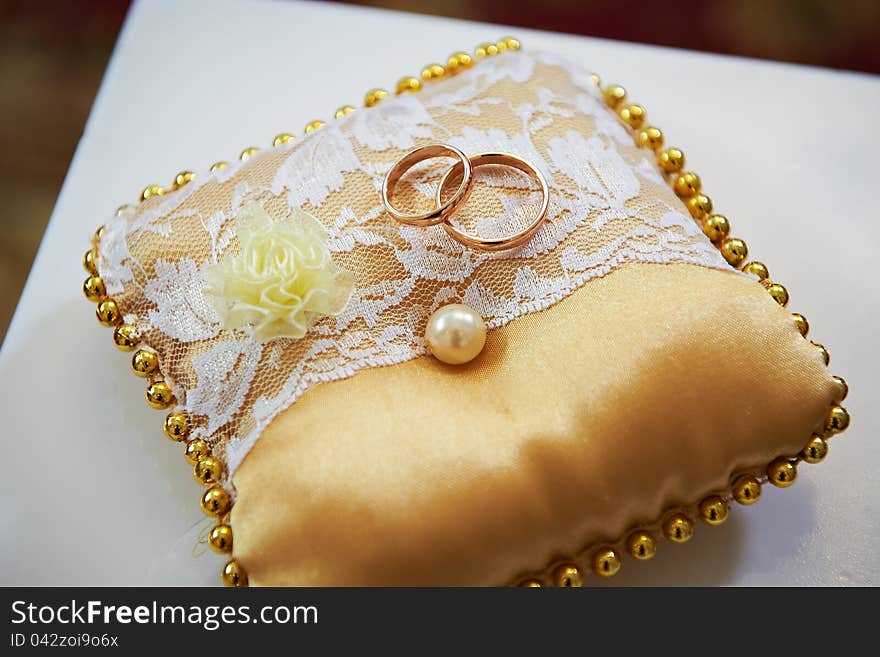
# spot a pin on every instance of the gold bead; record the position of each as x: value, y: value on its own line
x: 734, y: 251
x: 159, y: 395
x: 779, y: 293
x: 782, y: 472
x: 458, y: 62
x: 758, y: 269
x: 614, y: 95
x: 650, y: 137
x: 746, y: 490
x: 433, y: 72
x: 502, y: 47
x: 408, y: 83
x: 93, y: 288
x: 311, y: 126
x: 374, y: 96
x: 196, y: 449
x: 530, y: 584
x: 100, y: 232
x: 282, y: 139
x: 484, y: 50
x: 826, y: 357
x: 606, y: 562
x: 108, y: 312
x: 842, y: 389
x: 455, y: 334
x: 144, y: 363
x: 250, y: 151
x: 633, y: 115
x: 714, y: 510
x: 568, y: 576
x: 837, y: 420
x: 343, y: 111
x: 687, y: 184
x: 90, y: 262
x: 176, y: 426
x: 234, y: 575
x: 699, y: 205
x: 511, y: 43
x: 216, y: 501
x: 217, y: 166
x: 124, y: 210
x: 816, y: 450
x: 801, y: 323
x: 183, y: 178
x: 220, y: 539
x: 678, y: 528
x: 641, y: 545
x: 595, y: 79
x: 671, y: 160
x: 151, y: 190
x: 125, y: 337
x: 207, y: 470
x: 716, y: 227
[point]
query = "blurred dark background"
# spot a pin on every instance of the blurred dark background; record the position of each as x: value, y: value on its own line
x: 53, y: 54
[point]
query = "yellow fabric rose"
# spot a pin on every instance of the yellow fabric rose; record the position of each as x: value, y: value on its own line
x: 282, y: 280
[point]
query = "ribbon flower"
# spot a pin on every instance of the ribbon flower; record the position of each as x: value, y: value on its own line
x: 282, y: 280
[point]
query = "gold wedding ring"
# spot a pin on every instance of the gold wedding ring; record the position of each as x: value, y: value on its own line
x: 445, y: 209
x: 507, y: 241
x: 404, y: 164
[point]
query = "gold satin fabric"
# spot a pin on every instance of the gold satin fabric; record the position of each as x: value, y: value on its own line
x: 645, y: 389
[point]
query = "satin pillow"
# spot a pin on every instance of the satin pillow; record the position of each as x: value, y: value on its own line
x: 633, y: 380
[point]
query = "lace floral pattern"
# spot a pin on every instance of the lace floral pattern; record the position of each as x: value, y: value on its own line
x: 609, y: 205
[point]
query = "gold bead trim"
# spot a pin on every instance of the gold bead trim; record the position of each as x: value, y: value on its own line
x: 311, y: 126
x: 125, y: 337
x: 144, y: 363
x: 714, y: 510
x: 233, y: 574
x: 207, y: 470
x: 678, y: 524
x: 220, y: 539
x: 408, y: 84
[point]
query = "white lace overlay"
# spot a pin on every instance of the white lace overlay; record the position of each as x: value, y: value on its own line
x: 609, y: 205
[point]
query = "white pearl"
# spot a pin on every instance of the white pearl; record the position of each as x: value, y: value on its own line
x: 455, y: 333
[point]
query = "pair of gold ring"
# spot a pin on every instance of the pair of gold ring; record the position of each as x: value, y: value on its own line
x: 463, y: 169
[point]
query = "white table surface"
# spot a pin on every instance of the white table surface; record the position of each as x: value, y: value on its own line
x: 93, y: 493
